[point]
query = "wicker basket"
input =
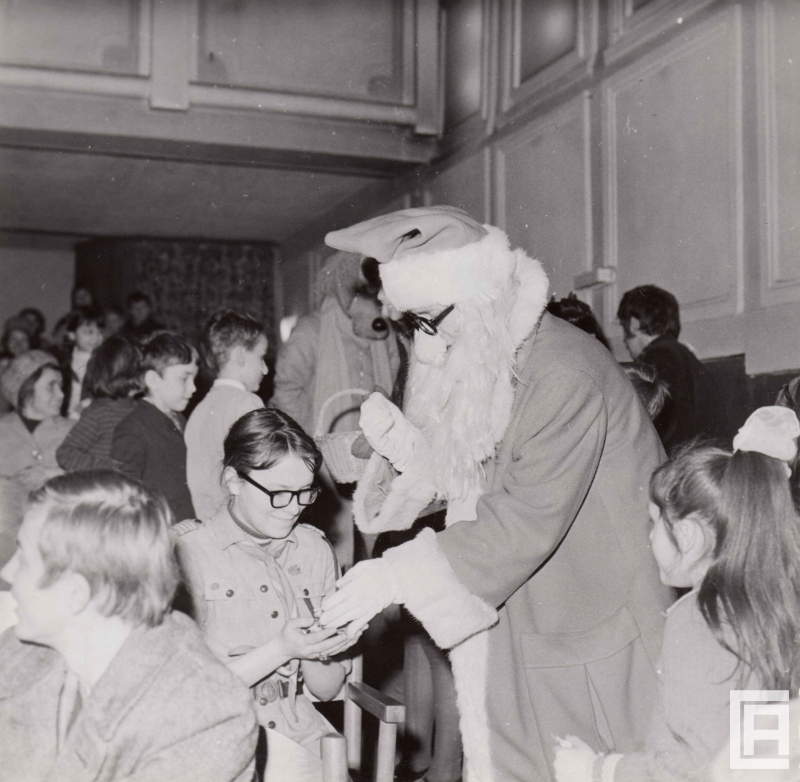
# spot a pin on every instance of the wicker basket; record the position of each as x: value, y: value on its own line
x: 335, y: 446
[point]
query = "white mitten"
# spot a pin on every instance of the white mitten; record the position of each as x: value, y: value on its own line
x: 574, y: 760
x: 364, y: 591
x: 389, y: 432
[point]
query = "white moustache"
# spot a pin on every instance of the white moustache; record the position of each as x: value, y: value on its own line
x: 430, y: 348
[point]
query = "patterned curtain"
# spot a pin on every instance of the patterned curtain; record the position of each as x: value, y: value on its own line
x: 187, y: 280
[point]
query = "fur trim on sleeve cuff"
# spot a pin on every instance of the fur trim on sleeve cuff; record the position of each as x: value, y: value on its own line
x: 433, y: 594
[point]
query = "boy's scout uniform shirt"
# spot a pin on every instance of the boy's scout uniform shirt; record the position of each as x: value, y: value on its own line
x: 244, y: 592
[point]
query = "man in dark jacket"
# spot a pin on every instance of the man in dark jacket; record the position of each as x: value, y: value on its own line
x: 650, y: 318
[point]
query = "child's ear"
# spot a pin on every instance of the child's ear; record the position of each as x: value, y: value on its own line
x: 151, y: 378
x: 690, y: 532
x: 80, y: 593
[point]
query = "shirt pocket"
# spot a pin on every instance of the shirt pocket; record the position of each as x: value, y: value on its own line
x: 231, y: 612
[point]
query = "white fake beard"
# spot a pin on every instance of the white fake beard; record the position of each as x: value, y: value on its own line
x: 462, y: 404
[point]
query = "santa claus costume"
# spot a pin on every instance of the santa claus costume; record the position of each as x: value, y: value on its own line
x: 542, y: 586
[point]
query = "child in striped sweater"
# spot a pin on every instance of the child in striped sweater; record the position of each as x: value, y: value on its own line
x: 112, y: 381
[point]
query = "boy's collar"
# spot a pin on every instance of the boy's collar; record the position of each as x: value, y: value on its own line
x: 173, y: 416
x: 229, y: 381
x: 228, y: 532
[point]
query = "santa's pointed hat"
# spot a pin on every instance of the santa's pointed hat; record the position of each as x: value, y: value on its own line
x: 431, y: 255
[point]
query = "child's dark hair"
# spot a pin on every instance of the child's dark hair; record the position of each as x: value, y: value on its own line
x: 113, y: 369
x: 579, y: 314
x: 136, y: 296
x: 84, y: 315
x: 223, y: 332
x: 656, y: 310
x: 652, y: 391
x: 164, y: 349
x: 750, y: 595
x: 37, y: 314
x: 262, y: 438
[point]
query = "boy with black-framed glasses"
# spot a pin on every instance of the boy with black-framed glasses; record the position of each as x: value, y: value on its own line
x: 256, y: 578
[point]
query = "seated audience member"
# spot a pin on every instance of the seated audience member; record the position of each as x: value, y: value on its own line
x: 115, y: 321
x: 15, y: 341
x: 579, y: 314
x: 253, y: 549
x: 112, y: 378
x: 84, y: 336
x: 652, y: 391
x: 34, y: 322
x: 98, y: 680
x: 140, y: 323
x: 81, y: 299
x: 233, y: 347
x: 650, y: 318
x: 724, y: 525
x: 149, y: 444
x: 29, y: 436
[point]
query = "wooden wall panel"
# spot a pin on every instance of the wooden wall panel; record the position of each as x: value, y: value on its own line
x: 82, y: 35
x: 778, y: 62
x: 672, y: 164
x: 342, y: 48
x: 463, y: 60
x: 633, y: 23
x: 543, y: 192
x: 564, y: 31
x: 464, y: 185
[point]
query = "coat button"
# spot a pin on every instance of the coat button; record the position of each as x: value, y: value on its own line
x: 305, y: 592
x: 274, y: 614
x: 215, y: 585
x: 271, y: 724
x: 263, y: 701
x: 264, y: 587
x: 229, y: 593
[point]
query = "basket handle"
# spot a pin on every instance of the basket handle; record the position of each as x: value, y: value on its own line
x: 319, y: 430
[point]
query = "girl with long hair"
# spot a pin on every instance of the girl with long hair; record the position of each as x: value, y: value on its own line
x: 725, y: 525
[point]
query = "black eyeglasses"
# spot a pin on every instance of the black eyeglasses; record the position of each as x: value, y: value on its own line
x: 428, y: 326
x: 280, y: 499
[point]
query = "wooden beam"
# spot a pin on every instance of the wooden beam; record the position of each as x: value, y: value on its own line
x: 34, y: 117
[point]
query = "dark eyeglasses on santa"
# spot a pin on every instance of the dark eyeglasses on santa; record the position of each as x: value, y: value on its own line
x: 427, y: 325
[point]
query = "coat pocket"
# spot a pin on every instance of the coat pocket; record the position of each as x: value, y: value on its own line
x: 598, y: 685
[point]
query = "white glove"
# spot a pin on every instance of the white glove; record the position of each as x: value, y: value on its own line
x: 364, y: 591
x: 389, y: 432
x: 574, y: 760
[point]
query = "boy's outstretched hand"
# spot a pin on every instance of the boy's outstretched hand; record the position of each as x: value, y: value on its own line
x: 364, y: 591
x: 315, y: 645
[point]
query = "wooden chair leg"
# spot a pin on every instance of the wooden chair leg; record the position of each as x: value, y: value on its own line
x: 387, y: 741
x: 352, y: 718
